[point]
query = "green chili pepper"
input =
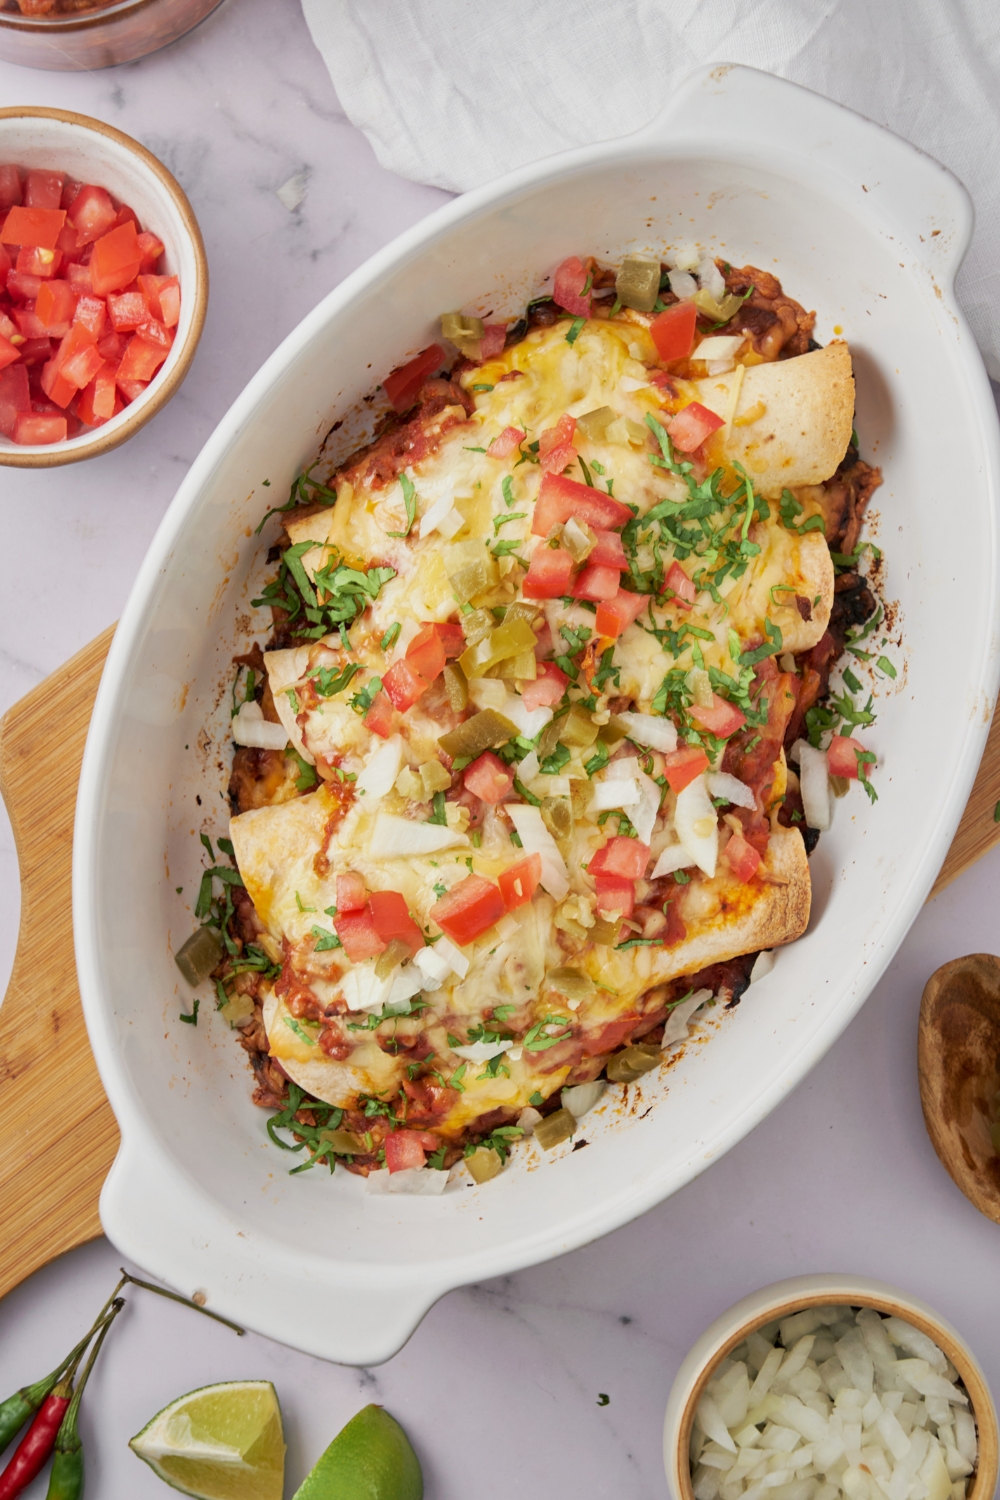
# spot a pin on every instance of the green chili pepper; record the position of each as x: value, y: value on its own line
x: 66, y: 1477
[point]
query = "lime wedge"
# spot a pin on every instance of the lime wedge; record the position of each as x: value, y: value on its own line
x: 222, y: 1442
x: 369, y: 1459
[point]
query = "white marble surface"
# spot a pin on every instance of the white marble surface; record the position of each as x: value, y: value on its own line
x: 499, y: 1387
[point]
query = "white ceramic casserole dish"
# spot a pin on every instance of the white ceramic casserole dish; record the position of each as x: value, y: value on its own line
x: 858, y: 225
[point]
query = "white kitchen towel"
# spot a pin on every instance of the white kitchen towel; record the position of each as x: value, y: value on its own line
x: 455, y: 92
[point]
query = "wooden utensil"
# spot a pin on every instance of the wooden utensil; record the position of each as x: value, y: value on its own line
x: 58, y: 1136
x: 958, y: 1056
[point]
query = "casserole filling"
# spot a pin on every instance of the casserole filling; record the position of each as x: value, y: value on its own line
x: 531, y: 764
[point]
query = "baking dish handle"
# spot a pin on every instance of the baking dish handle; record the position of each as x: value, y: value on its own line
x: 741, y: 110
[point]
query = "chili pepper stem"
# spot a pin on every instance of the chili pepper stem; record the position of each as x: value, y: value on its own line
x: 161, y: 1291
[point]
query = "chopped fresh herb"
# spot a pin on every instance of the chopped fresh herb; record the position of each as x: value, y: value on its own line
x: 586, y: 472
x: 362, y: 701
x: 682, y: 877
x: 192, y: 1019
x: 522, y: 791
x: 515, y: 839
x: 507, y: 487
x: 391, y: 636
x: 325, y: 941
x: 207, y: 842
x: 866, y: 758
x: 575, y: 329
x: 498, y: 521
x: 884, y: 665
x: 996, y: 813
x: 299, y: 1030
x: 455, y: 1081
x: 329, y: 682
x: 598, y: 760
x: 537, y: 1038
x: 851, y: 681
x: 298, y: 903
x: 438, y: 815
x: 536, y: 1098
x: 603, y: 1399
x: 482, y: 387
x: 552, y: 764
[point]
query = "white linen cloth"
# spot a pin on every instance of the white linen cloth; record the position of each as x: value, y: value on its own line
x: 455, y: 92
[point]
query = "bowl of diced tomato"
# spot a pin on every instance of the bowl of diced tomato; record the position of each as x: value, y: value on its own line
x: 103, y: 287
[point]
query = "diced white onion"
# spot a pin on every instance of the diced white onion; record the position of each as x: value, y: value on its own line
x: 406, y: 982
x: 528, y: 768
x: 409, y: 628
x: 363, y: 990
x: 719, y: 346
x: 488, y: 692
x: 679, y: 1018
x: 440, y: 959
x: 763, y: 964
x: 252, y: 729
x: 530, y: 721
x: 434, y: 514
x: 683, y: 257
x: 696, y: 825
x: 831, y: 1411
x: 719, y: 366
x: 814, y: 784
x: 629, y: 383
x: 536, y: 839
x: 528, y: 1119
x: 582, y: 1097
x: 453, y: 954
x: 479, y: 1052
x: 426, y: 1182
x: 619, y: 792
x: 721, y: 784
x: 381, y: 769
x: 674, y: 857
x: 682, y: 285
x: 651, y: 730
x: 394, y: 837
x: 711, y: 278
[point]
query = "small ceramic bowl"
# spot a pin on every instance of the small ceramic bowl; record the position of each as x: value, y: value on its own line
x: 780, y: 1301
x: 91, y: 151
x: 115, y: 32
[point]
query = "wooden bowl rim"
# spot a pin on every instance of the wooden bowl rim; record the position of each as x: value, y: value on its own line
x: 984, y: 1476
x: 101, y: 441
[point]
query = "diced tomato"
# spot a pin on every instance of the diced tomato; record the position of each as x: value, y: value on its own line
x: 127, y: 311
x: 8, y: 352
x: 672, y: 331
x: 6, y: 265
x: 615, y: 893
x: 842, y: 755
x: 452, y: 638
x: 359, y: 935
x: 33, y: 226
x: 547, y: 688
x: 91, y: 213
x: 43, y: 189
x: 15, y: 397
x: 96, y: 403
x: 504, y: 445
x: 92, y: 312
x: 55, y: 384
x: 403, y: 385
x: 170, y: 302
x: 555, y: 445
x: 425, y: 653
x: 23, y: 288
x: 141, y: 359
x: 567, y: 290
x: 691, y: 426
x: 621, y: 856
x: 36, y: 351
x: 722, y: 719
x: 469, y: 908
x: 559, y: 498
x: 79, y: 337
x: 70, y: 189
x: 742, y: 858
x: 609, y: 551
x: 55, y: 303
x: 493, y: 339
x: 156, y: 333
x: 10, y: 190
x: 153, y: 289
x: 79, y: 278
x: 683, y: 765
x: 596, y: 583
x: 518, y: 883
x: 34, y: 261
x: 130, y: 389
x: 392, y: 919
x: 615, y: 615
x: 111, y: 345
x: 152, y: 248
x: 28, y: 323
x: 379, y: 717
x: 82, y: 367
x: 489, y: 778
x: 126, y: 215
x: 115, y: 260
x: 404, y: 1150
x: 350, y: 893
x: 35, y: 428
x: 403, y: 683
x: 682, y: 586
x: 549, y: 574
x: 66, y: 244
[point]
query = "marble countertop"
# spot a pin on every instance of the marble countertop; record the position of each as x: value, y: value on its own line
x: 499, y: 1387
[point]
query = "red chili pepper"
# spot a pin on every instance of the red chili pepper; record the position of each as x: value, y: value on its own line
x: 36, y: 1446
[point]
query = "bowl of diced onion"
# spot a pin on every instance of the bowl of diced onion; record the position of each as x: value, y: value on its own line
x: 830, y: 1386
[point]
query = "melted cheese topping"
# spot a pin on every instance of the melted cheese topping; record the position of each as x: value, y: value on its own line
x: 290, y: 855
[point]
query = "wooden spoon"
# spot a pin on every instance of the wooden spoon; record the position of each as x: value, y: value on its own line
x: 958, y: 1058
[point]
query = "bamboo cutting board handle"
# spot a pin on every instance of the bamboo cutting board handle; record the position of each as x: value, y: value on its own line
x: 58, y: 1136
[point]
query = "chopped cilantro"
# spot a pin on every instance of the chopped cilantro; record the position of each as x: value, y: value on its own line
x: 192, y: 1019
x: 391, y: 636
x: 576, y: 328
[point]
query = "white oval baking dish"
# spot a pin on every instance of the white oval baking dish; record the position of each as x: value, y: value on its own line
x: 860, y: 226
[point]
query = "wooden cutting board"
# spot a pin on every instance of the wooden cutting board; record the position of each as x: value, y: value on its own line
x: 58, y: 1136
